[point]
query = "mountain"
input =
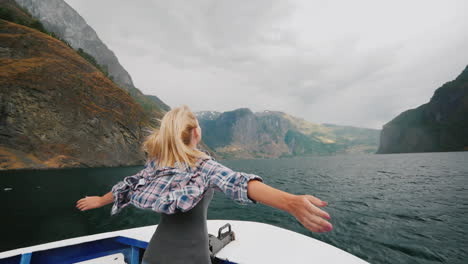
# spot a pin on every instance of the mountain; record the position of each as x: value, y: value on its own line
x: 77, y: 118
x: 62, y: 20
x: 271, y: 134
x: 57, y: 108
x: 439, y: 125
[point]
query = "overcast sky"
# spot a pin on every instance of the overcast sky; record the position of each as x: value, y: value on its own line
x: 357, y: 63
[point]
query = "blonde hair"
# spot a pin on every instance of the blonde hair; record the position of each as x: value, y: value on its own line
x: 169, y: 144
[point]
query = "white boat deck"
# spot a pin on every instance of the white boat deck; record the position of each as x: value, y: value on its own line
x: 255, y: 243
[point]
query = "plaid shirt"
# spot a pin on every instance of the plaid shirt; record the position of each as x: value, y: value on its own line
x: 169, y: 189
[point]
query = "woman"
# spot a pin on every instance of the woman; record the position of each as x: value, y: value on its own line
x: 178, y: 181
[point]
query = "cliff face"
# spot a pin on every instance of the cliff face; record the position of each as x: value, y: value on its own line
x: 439, y: 125
x: 61, y: 19
x: 57, y: 110
x: 271, y: 134
x: 58, y: 17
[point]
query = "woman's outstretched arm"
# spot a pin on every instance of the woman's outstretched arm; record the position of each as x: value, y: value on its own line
x: 246, y: 187
x: 92, y: 202
x: 303, y: 207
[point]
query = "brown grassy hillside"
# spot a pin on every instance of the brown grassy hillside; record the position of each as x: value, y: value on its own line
x: 58, y: 110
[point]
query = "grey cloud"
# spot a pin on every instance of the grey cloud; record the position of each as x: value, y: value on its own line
x: 321, y: 62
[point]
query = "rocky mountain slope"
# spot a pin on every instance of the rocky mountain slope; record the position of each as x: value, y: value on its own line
x: 439, y: 125
x: 61, y: 19
x: 57, y: 110
x: 270, y: 134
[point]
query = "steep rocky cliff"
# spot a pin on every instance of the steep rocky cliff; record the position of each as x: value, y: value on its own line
x: 439, y: 125
x: 271, y: 134
x: 61, y: 19
x: 58, y: 17
x: 57, y: 110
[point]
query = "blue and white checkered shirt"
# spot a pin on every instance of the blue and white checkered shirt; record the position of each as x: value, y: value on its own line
x: 169, y: 189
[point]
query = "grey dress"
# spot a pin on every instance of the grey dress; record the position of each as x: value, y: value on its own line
x: 181, y: 237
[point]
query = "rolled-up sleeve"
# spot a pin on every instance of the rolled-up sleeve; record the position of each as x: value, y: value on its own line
x: 232, y: 183
x: 123, y: 189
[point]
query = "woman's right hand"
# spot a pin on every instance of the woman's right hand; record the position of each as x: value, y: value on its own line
x: 305, y: 209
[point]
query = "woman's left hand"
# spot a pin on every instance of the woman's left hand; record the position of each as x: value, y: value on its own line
x: 89, y: 202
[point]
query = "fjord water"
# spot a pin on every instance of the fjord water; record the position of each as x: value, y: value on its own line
x: 393, y: 208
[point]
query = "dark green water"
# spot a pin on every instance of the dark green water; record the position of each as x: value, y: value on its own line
x: 398, y: 208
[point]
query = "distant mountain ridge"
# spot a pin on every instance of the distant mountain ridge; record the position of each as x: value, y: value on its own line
x: 439, y: 125
x: 60, y: 18
x: 271, y: 134
x: 208, y: 115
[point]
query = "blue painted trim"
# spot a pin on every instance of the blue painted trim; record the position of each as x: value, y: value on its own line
x: 80, y: 252
x: 129, y: 247
x: 25, y: 258
x: 134, y: 255
x: 11, y: 260
x: 91, y: 256
x: 131, y: 242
